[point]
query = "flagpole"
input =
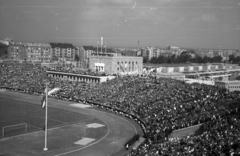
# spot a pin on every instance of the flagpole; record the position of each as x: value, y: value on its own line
x: 105, y: 47
x: 46, y: 107
x: 101, y: 43
x: 97, y: 46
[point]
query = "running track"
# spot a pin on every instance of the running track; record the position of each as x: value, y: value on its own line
x: 119, y: 130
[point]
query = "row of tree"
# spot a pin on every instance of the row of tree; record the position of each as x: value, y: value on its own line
x: 234, y: 59
x: 186, y: 58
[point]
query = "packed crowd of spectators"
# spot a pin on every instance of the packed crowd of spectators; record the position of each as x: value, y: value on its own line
x: 220, y: 137
x: 164, y: 105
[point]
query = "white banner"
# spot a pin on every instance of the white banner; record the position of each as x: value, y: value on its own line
x: 53, y: 91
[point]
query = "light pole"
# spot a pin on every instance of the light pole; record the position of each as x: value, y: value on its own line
x: 46, y: 115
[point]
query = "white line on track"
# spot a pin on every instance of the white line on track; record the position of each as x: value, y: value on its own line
x: 54, y: 120
x: 62, y: 103
x: 34, y: 116
x: 87, y: 145
x: 101, y: 138
x: 34, y: 126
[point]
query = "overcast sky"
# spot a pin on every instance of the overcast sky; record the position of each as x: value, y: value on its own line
x: 122, y: 23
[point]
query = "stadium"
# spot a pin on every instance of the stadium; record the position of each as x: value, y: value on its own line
x: 128, y: 115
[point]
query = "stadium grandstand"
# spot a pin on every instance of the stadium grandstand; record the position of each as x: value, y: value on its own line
x: 160, y: 105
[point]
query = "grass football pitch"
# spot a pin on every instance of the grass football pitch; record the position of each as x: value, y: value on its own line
x: 13, y: 113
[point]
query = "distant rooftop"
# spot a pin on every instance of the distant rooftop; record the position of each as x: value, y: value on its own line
x: 8, y: 39
x: 114, y: 55
x: 62, y: 45
x: 37, y: 44
x: 99, y: 49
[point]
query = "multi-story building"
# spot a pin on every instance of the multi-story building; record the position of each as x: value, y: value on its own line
x: 114, y: 64
x: 86, y: 51
x: 209, y: 53
x: 229, y: 85
x: 46, y: 53
x: 173, y: 48
x: 63, y: 51
x: 150, y: 53
x: 41, y: 52
x: 130, y: 53
x: 215, y: 52
x: 237, y: 53
x: 153, y: 52
x: 16, y: 51
x: 156, y: 52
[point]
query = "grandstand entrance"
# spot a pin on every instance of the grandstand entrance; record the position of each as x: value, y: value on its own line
x: 99, y: 67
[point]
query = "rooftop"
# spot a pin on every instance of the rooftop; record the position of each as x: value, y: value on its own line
x: 62, y: 45
x: 114, y: 56
x: 98, y: 49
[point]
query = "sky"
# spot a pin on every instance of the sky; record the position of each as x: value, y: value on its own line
x: 122, y: 23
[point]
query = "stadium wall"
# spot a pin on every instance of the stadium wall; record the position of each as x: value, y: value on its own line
x: 119, y: 65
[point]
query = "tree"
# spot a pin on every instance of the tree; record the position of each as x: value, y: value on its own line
x: 54, y: 58
x: 231, y: 58
x: 76, y: 58
x: 234, y: 59
x: 184, y: 58
x: 218, y: 59
x: 237, y: 60
x: 168, y: 59
x: 197, y: 59
x: 154, y: 60
x: 184, y: 52
x: 145, y: 59
x: 215, y: 59
x: 206, y: 59
x: 161, y: 59
x: 173, y: 58
x: 238, y: 78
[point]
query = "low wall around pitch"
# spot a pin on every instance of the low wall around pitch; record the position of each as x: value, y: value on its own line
x: 192, y: 130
